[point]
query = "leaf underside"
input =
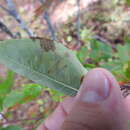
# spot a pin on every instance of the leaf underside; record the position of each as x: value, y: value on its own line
x: 57, y: 68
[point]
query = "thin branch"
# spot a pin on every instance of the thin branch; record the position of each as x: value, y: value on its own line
x: 50, y: 27
x: 4, y: 117
x: 5, y: 29
x: 42, y: 1
x: 99, y: 38
x: 13, y: 12
x: 20, y: 120
x: 47, y: 19
x: 103, y: 40
x: 78, y: 21
x: 2, y: 7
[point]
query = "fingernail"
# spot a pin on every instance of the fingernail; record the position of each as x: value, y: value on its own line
x: 95, y: 87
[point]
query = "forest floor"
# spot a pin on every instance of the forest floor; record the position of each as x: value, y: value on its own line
x: 112, y: 28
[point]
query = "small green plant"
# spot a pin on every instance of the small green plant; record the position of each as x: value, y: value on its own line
x: 11, y: 127
x: 56, y: 96
x: 128, y: 2
x: 6, y: 87
x: 26, y: 93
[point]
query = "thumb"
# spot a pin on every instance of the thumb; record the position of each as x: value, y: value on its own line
x: 98, y: 105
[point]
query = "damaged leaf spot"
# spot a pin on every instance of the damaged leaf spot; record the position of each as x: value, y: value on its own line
x: 46, y: 43
x: 58, y: 65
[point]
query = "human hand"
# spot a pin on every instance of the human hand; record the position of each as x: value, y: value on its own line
x: 99, y: 105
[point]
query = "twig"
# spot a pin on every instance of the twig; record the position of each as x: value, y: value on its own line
x: 13, y: 12
x: 5, y: 29
x: 2, y: 7
x: 78, y: 21
x: 4, y: 116
x: 103, y: 40
x: 42, y: 1
x: 47, y: 19
x: 99, y: 38
x: 50, y: 27
x: 20, y: 120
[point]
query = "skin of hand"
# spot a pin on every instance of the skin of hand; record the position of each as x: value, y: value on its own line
x: 99, y: 105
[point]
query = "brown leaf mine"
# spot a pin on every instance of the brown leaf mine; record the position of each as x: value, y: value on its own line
x: 46, y: 43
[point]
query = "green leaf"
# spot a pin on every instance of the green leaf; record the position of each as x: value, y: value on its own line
x: 127, y: 69
x: 86, y: 34
x: 82, y: 54
x: 112, y: 65
x: 31, y: 90
x: 128, y: 2
x: 12, y: 127
x: 27, y: 93
x: 7, y: 84
x: 13, y: 98
x: 57, y: 97
x: 1, y: 103
x: 5, y: 87
x: 58, y: 68
x: 129, y: 125
x: 100, y: 51
x: 123, y: 52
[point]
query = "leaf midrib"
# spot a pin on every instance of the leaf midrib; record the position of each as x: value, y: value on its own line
x: 59, y: 82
